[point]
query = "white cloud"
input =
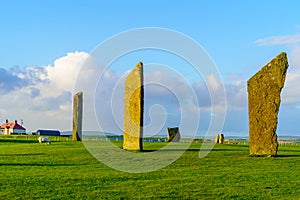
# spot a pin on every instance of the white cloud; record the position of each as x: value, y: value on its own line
x: 63, y: 73
x: 294, y: 58
x: 41, y: 96
x: 169, y: 101
x: 279, y: 40
x: 213, y: 83
x: 290, y: 93
x: 236, y: 93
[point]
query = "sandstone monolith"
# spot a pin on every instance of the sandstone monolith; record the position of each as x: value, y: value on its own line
x: 173, y: 134
x: 219, y: 139
x: 77, y: 117
x: 263, y: 105
x: 133, y: 109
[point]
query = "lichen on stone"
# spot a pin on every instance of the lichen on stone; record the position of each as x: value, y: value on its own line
x: 264, y: 90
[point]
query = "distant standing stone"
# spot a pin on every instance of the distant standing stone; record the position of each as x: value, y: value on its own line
x: 219, y: 139
x: 134, y: 109
x: 77, y: 117
x: 173, y: 134
x: 263, y: 105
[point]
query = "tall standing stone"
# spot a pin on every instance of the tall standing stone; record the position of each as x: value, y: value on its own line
x: 263, y: 105
x: 77, y: 117
x: 173, y: 134
x: 133, y: 109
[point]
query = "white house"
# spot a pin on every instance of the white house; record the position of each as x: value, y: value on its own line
x: 9, y: 128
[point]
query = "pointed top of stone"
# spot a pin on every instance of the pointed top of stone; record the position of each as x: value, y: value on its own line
x: 280, y: 62
x: 79, y: 93
x: 139, y: 64
x: 280, y: 57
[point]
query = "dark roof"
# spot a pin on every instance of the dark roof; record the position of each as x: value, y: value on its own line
x: 48, y: 132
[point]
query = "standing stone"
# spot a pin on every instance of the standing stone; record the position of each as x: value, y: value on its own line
x: 173, y: 134
x: 77, y: 117
x: 133, y: 109
x: 263, y: 105
x: 219, y: 139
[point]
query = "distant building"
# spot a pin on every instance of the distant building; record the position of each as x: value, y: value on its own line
x: 9, y: 128
x: 48, y: 132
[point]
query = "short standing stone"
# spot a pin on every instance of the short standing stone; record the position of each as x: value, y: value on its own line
x: 173, y: 134
x: 77, y: 117
x: 133, y: 109
x: 263, y: 105
x: 219, y: 139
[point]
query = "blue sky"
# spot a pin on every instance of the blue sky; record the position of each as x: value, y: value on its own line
x: 42, y: 40
x: 50, y: 29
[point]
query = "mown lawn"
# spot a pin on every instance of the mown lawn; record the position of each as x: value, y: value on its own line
x: 66, y: 170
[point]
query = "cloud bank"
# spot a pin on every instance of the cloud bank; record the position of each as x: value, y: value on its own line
x: 291, y: 92
x: 42, y: 96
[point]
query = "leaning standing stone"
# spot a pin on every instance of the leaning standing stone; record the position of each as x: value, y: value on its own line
x: 263, y: 105
x: 173, y: 134
x: 77, y: 117
x: 133, y: 109
x: 217, y: 139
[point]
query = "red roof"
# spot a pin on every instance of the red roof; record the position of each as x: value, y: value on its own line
x: 12, y: 125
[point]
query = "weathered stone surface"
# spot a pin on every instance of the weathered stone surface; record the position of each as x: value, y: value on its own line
x: 173, y: 134
x: 133, y: 109
x: 219, y: 139
x: 263, y: 105
x: 77, y: 117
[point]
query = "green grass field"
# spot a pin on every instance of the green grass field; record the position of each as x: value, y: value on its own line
x: 66, y: 170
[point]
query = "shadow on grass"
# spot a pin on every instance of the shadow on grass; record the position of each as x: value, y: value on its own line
x: 240, y: 149
x: 23, y: 154
x: 168, y: 150
x: 277, y: 156
x: 39, y: 164
x: 287, y: 156
x: 290, y: 150
x: 17, y: 141
x: 194, y: 149
x: 22, y: 141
